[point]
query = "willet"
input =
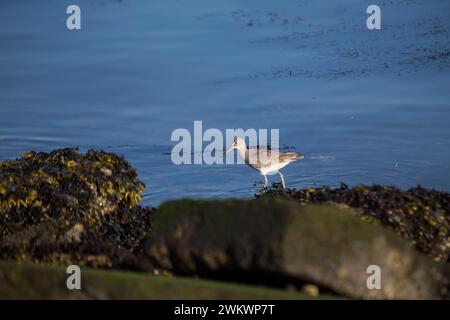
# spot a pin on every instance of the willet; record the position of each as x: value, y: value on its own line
x: 265, y: 160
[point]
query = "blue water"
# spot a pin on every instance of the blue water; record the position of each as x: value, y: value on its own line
x: 363, y: 106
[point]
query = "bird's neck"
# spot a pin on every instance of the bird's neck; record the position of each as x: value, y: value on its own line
x: 243, y: 152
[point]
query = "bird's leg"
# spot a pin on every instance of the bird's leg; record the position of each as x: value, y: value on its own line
x: 265, y: 182
x: 282, y: 179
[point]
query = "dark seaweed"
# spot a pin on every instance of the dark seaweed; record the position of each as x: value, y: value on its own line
x: 420, y: 215
x: 66, y: 207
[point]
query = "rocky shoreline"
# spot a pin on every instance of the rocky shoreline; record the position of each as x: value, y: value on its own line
x: 63, y: 207
x: 420, y: 215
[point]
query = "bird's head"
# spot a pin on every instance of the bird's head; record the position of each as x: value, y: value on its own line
x: 238, y: 143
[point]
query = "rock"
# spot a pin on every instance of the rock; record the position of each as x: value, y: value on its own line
x: 420, y: 215
x: 66, y: 207
x: 25, y: 281
x: 270, y: 239
x: 75, y: 233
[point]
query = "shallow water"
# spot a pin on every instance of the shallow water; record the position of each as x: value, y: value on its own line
x: 363, y: 106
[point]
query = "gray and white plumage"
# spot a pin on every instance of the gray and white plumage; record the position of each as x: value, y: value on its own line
x: 265, y: 160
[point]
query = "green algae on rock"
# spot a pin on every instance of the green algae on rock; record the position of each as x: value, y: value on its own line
x: 25, y: 281
x: 277, y: 241
x: 420, y: 215
x: 64, y: 206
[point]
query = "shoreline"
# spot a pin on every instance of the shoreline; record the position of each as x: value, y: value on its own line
x: 63, y: 207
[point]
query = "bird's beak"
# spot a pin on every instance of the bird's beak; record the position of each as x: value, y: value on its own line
x: 229, y: 148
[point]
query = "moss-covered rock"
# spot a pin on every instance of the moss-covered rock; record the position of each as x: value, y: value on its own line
x: 22, y: 281
x: 65, y: 207
x: 274, y: 239
x: 420, y: 215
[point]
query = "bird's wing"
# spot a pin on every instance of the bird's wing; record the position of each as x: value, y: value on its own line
x: 262, y: 157
x: 259, y: 157
x: 290, y: 156
x: 260, y: 148
x: 252, y: 158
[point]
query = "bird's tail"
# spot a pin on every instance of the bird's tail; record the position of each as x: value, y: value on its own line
x: 293, y: 156
x: 299, y: 156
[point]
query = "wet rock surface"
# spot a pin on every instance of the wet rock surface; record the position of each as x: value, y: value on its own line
x: 64, y: 207
x: 324, y: 245
x: 420, y: 215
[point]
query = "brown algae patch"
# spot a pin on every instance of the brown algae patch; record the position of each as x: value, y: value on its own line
x: 420, y: 215
x: 65, y: 206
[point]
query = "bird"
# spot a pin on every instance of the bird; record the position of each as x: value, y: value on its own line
x: 263, y: 159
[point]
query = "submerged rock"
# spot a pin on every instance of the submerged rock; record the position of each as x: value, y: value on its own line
x: 420, y: 215
x: 65, y: 207
x: 280, y: 240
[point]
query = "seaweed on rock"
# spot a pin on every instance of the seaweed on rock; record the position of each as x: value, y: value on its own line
x: 64, y: 206
x: 420, y: 215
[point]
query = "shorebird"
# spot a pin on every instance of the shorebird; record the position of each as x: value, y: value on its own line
x: 265, y: 160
